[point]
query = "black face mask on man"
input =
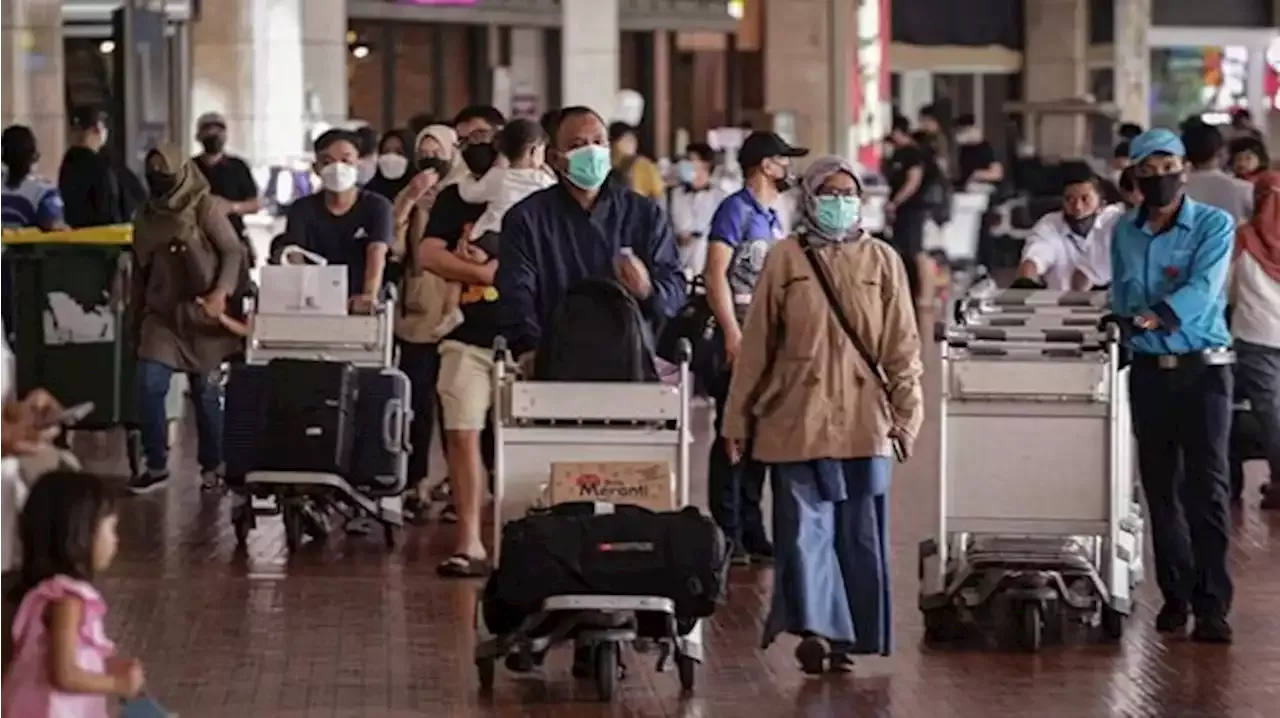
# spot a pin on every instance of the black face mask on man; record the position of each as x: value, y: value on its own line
x: 213, y: 144
x: 479, y: 158
x: 1160, y: 190
x: 1081, y: 226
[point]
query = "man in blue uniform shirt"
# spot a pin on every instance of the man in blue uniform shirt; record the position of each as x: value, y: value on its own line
x: 1170, y: 259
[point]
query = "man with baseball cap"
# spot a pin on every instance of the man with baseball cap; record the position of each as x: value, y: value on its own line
x: 743, y: 228
x: 1170, y: 260
x: 229, y: 176
x: 90, y: 189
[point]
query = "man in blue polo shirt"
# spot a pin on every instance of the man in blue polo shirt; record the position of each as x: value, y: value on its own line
x: 1170, y: 260
x: 743, y: 228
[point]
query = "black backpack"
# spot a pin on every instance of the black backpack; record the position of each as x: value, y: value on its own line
x: 596, y: 334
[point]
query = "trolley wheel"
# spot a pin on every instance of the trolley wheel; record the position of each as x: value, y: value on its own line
x: 1112, y: 623
x: 688, y: 670
x: 939, y: 625
x: 294, y: 531
x: 606, y: 660
x: 242, y: 521
x: 485, y: 667
x: 1031, y: 627
x: 389, y: 535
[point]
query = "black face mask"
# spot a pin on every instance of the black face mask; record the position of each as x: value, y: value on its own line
x: 1081, y: 225
x: 213, y: 144
x: 160, y: 184
x: 435, y: 164
x: 479, y: 158
x: 1160, y: 190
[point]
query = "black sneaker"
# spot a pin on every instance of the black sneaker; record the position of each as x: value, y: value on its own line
x: 148, y: 481
x: 1212, y: 629
x: 1172, y: 619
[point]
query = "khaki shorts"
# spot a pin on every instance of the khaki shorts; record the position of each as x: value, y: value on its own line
x: 465, y: 385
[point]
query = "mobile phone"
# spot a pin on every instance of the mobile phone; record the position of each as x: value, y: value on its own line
x: 71, y: 416
x: 899, y: 451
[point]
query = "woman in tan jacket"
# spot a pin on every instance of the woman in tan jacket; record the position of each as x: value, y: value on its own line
x: 804, y: 401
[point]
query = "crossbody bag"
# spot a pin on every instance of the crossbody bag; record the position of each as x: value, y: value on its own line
x: 877, y: 371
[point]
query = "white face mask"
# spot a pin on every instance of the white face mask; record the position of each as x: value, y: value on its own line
x: 393, y: 166
x: 339, y: 177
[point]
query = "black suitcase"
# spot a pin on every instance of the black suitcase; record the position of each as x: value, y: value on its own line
x: 310, y: 416
x: 380, y: 454
x: 244, y: 420
x: 568, y: 549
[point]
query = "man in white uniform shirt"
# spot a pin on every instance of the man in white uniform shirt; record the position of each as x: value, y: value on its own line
x: 1071, y: 249
x: 691, y: 205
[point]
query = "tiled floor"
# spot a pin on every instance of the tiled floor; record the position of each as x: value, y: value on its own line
x: 352, y: 630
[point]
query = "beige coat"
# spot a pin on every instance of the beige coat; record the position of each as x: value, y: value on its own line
x: 799, y: 388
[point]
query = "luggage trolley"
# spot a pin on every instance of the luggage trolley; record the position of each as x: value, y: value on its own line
x: 367, y: 342
x: 537, y: 423
x: 1038, y: 518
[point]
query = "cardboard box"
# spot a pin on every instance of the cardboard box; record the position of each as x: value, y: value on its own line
x: 642, y: 483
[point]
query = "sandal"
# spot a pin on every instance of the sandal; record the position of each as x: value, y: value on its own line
x: 839, y: 662
x: 463, y: 566
x: 812, y: 653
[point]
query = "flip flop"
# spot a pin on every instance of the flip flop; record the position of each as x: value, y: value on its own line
x: 840, y: 663
x: 463, y: 566
x: 812, y: 653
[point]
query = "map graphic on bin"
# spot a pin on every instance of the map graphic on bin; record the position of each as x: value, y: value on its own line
x: 67, y: 321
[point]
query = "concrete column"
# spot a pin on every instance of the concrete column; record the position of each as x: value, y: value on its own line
x: 528, y: 68
x: 1055, y: 68
x: 660, y: 103
x: 802, y: 47
x: 589, y: 41
x: 31, y: 74
x: 324, y: 59
x: 1132, y: 61
x: 264, y: 65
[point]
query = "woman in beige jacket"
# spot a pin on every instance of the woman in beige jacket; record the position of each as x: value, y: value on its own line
x: 804, y: 401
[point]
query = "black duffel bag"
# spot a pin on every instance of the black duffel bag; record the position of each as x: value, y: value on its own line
x: 569, y: 549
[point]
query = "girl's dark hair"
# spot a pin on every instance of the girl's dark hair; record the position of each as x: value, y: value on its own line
x: 397, y: 133
x: 58, y: 524
x: 518, y: 136
x: 18, y: 152
x: 1250, y: 144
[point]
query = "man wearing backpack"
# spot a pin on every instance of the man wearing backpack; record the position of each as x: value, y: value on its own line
x: 743, y: 229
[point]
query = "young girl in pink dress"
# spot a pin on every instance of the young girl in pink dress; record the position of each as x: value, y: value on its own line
x: 63, y: 664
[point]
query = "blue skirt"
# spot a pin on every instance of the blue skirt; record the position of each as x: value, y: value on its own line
x: 831, y: 542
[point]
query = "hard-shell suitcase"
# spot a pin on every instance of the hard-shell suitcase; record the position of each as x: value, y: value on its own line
x: 244, y: 420
x: 310, y: 411
x: 380, y: 454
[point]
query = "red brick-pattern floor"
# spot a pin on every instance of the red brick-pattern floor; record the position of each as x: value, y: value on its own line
x: 352, y: 630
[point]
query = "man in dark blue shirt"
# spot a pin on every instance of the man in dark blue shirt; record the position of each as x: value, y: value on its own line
x: 743, y: 229
x: 577, y: 230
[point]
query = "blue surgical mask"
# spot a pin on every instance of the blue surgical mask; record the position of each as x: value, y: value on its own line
x: 837, y: 215
x: 589, y: 166
x: 685, y: 171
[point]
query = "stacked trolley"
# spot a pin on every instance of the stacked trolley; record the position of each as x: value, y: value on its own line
x: 538, y: 423
x: 381, y: 420
x: 1038, y: 518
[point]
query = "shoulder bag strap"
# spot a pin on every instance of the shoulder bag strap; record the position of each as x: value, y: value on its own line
x: 877, y: 371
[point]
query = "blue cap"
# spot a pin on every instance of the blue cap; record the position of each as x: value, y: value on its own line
x: 1158, y: 140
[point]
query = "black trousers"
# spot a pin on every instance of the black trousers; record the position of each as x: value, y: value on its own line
x: 734, y: 490
x: 908, y: 239
x: 1182, y: 418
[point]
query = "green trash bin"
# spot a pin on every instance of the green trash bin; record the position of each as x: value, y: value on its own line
x: 69, y: 317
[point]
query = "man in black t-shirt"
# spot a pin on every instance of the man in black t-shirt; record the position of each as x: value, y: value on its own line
x: 343, y: 223
x: 466, y: 354
x: 229, y: 176
x: 976, y: 158
x: 910, y: 169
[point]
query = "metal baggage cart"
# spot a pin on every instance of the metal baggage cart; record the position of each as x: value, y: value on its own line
x: 537, y: 423
x: 363, y: 341
x: 1036, y: 477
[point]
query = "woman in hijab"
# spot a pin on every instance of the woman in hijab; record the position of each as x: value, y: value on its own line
x: 188, y: 261
x: 394, y: 165
x: 805, y: 401
x: 1255, y: 319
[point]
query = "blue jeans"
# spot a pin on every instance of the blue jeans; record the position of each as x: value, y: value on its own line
x: 153, y: 386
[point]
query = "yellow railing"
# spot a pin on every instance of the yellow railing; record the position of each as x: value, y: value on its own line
x: 112, y: 235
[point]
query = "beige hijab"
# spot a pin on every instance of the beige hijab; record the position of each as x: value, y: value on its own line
x: 174, y: 214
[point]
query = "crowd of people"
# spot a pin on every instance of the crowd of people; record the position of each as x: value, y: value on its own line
x: 486, y: 223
